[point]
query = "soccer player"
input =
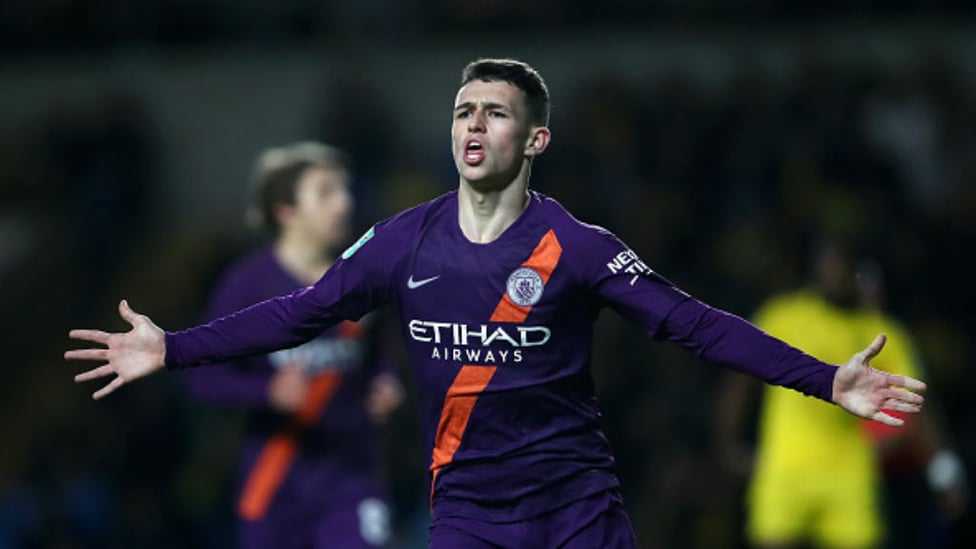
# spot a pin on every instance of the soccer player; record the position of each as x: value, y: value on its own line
x: 816, y: 476
x: 497, y: 289
x: 308, y: 466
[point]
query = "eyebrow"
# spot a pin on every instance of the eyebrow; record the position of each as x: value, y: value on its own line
x: 487, y: 105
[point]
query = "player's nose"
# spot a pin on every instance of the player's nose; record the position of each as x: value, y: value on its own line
x: 477, y: 121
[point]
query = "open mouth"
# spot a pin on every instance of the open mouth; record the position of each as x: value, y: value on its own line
x: 474, y: 152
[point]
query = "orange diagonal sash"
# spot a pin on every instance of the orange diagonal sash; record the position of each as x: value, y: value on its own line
x: 471, y: 380
x: 543, y: 261
x: 278, y: 453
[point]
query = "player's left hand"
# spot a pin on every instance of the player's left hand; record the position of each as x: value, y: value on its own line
x: 867, y: 392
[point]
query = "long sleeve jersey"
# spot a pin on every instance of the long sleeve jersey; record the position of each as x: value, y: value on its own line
x: 500, y: 336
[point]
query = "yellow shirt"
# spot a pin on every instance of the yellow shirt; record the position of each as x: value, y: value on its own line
x: 816, y: 477
x: 798, y: 432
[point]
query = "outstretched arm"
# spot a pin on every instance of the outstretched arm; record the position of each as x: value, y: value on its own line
x: 867, y: 392
x: 639, y: 294
x: 137, y: 353
x: 357, y: 283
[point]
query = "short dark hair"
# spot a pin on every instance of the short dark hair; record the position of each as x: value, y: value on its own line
x: 276, y: 174
x: 518, y: 74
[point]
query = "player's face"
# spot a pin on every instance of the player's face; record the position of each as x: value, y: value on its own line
x: 323, y: 206
x: 490, y: 133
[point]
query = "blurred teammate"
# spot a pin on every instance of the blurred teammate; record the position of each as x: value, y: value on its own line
x: 815, y: 477
x: 497, y: 288
x: 308, y: 469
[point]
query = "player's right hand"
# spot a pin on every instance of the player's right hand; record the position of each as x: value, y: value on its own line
x: 137, y: 353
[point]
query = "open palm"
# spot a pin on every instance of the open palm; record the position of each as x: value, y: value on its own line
x: 867, y: 392
x: 128, y: 356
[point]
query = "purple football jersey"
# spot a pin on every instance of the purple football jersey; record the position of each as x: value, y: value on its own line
x: 500, y: 335
x: 323, y: 457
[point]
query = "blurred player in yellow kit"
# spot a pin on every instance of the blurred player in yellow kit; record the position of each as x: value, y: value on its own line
x: 815, y: 475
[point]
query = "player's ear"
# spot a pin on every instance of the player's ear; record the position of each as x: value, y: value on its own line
x: 539, y: 137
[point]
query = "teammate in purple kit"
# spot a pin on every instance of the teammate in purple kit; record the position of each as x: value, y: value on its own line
x: 497, y: 288
x: 308, y: 469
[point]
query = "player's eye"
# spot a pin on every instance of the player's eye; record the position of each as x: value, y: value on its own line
x: 463, y: 114
x: 496, y: 114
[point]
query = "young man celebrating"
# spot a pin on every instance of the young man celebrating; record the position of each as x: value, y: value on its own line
x: 498, y: 288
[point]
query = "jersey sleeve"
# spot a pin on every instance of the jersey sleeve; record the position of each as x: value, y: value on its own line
x: 621, y: 281
x: 229, y: 382
x: 627, y: 285
x: 359, y: 281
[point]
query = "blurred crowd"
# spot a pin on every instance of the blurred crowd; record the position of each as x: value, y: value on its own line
x: 59, y: 24
x: 721, y: 192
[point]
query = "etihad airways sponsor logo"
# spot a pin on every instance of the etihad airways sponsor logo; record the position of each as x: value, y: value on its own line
x: 470, y: 342
x: 452, y: 333
x: 628, y: 262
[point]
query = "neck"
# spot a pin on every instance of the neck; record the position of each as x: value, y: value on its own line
x: 484, y: 215
x: 305, y: 260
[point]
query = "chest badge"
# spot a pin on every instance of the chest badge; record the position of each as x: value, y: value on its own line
x: 524, y: 286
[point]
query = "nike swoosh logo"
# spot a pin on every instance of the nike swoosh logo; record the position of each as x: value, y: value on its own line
x: 414, y: 284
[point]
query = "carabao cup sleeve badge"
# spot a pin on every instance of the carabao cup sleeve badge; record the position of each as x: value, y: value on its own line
x: 524, y: 286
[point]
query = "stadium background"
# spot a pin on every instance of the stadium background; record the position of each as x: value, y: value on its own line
x: 714, y: 137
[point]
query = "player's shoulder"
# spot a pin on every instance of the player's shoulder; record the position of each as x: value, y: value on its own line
x: 878, y: 322
x: 800, y: 298
x: 256, y: 262
x: 591, y: 252
x: 242, y: 281
x: 887, y: 321
x: 415, y: 217
x: 395, y: 233
x: 563, y: 222
x: 802, y: 303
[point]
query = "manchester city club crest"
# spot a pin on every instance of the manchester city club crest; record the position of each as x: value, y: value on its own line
x: 524, y: 286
